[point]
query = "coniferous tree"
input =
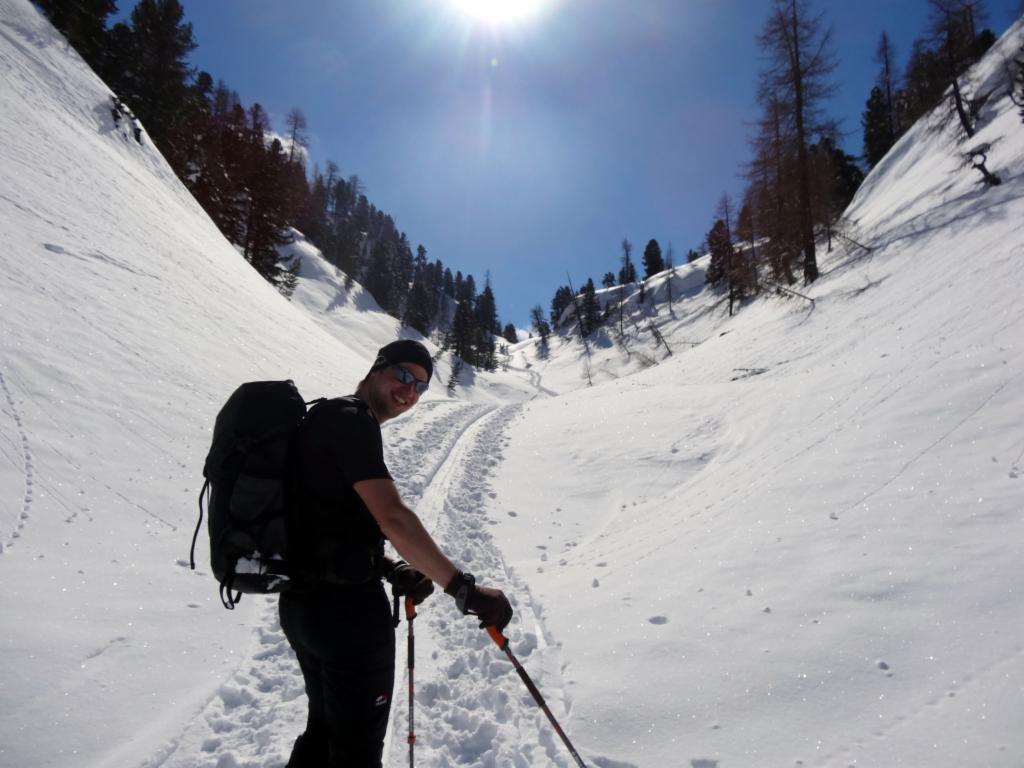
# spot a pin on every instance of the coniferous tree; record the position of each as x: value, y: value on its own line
x: 608, y: 281
x: 881, y: 120
x: 590, y: 308
x: 150, y: 71
x: 720, y: 248
x: 954, y: 28
x: 419, y: 310
x: 265, y: 207
x: 541, y: 328
x: 296, y: 124
x: 484, y: 352
x: 190, y: 142
x: 626, y: 275
x: 771, y: 177
x: 509, y: 334
x: 377, y: 277
x: 951, y: 44
x: 836, y: 178
x: 627, y: 272
x: 312, y: 219
x: 800, y: 62
x: 487, y: 327
x: 653, y: 262
x: 403, y: 274
x: 887, y: 82
x: 84, y: 24
x: 876, y: 121
x: 487, y: 310
x: 924, y: 80
x: 746, y: 235
x: 218, y: 185
x: 420, y: 262
x: 462, y: 335
x: 561, y: 301
x: 438, y: 272
x: 670, y: 266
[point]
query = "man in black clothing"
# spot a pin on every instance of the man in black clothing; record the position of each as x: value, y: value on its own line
x: 337, y: 618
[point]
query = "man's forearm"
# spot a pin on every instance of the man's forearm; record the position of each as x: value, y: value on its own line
x: 406, y: 533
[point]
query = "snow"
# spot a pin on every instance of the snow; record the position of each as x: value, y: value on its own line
x: 793, y: 541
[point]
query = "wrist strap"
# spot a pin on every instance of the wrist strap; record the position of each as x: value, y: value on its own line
x: 461, y: 587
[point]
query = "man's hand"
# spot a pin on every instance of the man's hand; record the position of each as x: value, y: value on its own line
x: 408, y: 581
x: 490, y: 606
x: 487, y: 604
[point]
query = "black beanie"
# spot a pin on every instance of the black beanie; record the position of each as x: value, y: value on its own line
x: 404, y: 351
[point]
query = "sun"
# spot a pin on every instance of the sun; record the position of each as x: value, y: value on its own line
x: 498, y: 12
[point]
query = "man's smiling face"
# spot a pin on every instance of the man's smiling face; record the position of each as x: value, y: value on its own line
x: 389, y: 397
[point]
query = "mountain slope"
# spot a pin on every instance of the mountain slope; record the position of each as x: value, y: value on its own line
x: 127, y: 320
x: 792, y: 543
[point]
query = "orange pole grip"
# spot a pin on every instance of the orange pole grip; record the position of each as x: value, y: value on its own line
x: 410, y: 608
x: 500, y: 640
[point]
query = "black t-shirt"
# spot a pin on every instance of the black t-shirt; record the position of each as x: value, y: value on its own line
x: 334, y: 536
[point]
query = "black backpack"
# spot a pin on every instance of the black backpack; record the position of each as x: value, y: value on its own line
x: 246, y: 489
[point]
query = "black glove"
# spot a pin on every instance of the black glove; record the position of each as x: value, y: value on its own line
x: 406, y: 580
x: 489, y: 605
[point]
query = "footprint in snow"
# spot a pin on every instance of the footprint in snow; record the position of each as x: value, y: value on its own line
x: 659, y: 620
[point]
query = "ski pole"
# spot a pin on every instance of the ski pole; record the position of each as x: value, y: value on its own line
x: 410, y: 614
x: 502, y: 642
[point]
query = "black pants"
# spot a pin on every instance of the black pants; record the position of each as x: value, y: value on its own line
x: 345, y: 642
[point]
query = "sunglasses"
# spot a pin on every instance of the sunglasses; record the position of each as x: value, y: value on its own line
x: 405, y: 376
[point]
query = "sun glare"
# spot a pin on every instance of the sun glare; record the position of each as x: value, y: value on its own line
x: 498, y: 12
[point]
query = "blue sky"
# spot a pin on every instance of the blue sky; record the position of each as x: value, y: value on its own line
x: 531, y: 149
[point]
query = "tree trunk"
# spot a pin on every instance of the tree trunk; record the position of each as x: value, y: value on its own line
x: 890, y: 107
x: 806, y: 220
x: 961, y: 112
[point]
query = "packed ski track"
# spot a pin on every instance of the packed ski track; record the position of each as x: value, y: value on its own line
x: 471, y: 707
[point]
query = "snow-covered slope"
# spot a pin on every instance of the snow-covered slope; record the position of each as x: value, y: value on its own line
x: 126, y: 321
x: 793, y: 541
